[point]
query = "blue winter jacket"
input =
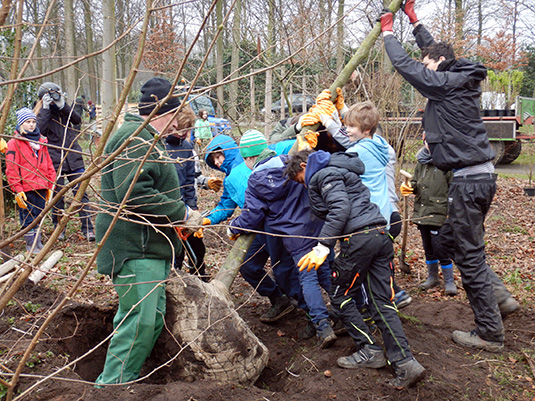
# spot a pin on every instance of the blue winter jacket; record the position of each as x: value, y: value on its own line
x: 374, y: 154
x: 237, y: 172
x: 185, y: 168
x: 281, y: 203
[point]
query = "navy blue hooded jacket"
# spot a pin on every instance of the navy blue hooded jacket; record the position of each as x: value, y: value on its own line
x: 338, y: 196
x: 283, y: 204
x: 185, y: 167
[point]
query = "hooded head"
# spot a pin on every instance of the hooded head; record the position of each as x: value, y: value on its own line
x: 153, y: 91
x: 49, y: 87
x: 252, y: 143
x: 226, y: 145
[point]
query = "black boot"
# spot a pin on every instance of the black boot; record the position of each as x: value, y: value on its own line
x: 280, y: 306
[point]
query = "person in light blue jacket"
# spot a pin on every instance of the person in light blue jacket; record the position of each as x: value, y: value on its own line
x: 223, y: 154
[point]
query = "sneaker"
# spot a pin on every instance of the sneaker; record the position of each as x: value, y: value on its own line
x: 325, y: 333
x: 402, y: 299
x: 369, y: 356
x: 472, y: 340
x: 508, y: 306
x: 308, y: 332
x: 408, y: 373
x: 280, y: 307
x: 90, y: 236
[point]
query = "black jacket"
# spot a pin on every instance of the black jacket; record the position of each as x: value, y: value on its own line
x: 338, y: 196
x: 182, y: 151
x: 453, y: 128
x: 52, y: 123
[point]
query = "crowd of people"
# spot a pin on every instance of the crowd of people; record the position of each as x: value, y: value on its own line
x: 303, y: 195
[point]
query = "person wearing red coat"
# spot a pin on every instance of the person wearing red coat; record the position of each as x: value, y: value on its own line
x: 30, y: 173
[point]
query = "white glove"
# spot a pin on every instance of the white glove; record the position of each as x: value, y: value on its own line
x: 332, y: 122
x: 47, y: 101
x: 60, y: 102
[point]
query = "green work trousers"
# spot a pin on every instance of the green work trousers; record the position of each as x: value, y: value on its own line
x: 136, y: 329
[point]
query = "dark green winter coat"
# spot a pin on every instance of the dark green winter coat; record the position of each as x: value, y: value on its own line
x: 431, y: 190
x: 155, y: 199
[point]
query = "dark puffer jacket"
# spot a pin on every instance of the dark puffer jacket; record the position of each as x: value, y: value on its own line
x: 56, y: 125
x: 453, y: 128
x: 338, y: 196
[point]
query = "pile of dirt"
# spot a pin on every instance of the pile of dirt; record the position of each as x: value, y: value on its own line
x: 297, y: 369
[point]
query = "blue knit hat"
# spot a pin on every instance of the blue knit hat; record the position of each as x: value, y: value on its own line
x: 24, y: 114
x: 252, y: 143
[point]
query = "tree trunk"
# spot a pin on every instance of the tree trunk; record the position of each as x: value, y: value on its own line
x: 340, y: 37
x: 235, y: 61
x: 90, y: 49
x: 71, y: 86
x: 108, y: 61
x: 219, y: 58
x: 269, y: 73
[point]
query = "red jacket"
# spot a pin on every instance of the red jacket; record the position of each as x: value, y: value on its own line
x: 25, y: 171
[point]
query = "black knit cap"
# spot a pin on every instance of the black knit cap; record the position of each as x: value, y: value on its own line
x: 154, y: 90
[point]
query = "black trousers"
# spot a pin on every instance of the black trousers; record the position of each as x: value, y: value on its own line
x: 196, y: 258
x: 367, y: 258
x: 430, y: 237
x: 469, y: 200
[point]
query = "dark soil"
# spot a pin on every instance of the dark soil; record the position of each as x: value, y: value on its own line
x: 297, y: 369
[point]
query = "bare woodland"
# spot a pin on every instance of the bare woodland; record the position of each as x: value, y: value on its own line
x: 245, y: 54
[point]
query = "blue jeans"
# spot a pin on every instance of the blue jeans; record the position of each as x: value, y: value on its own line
x: 36, y: 201
x: 59, y: 207
x: 312, y: 282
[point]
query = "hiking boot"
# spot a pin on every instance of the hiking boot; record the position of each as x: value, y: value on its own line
x: 280, y: 307
x: 432, y: 278
x: 471, y: 339
x: 508, y: 306
x: 402, y: 299
x: 369, y: 356
x: 308, y: 332
x: 90, y: 236
x: 325, y: 333
x: 408, y: 372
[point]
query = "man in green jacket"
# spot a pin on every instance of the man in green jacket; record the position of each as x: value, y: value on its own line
x: 138, y: 252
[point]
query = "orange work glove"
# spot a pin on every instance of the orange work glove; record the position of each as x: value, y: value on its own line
x: 406, y: 189
x: 340, y: 103
x: 314, y: 258
x: 49, y: 194
x: 302, y: 143
x: 199, y: 233
x: 214, y: 183
x: 21, y: 200
x: 3, y: 145
x: 312, y: 138
x: 310, y: 118
x: 206, y: 221
x: 324, y: 95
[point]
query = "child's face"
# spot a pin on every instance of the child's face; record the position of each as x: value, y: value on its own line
x: 300, y: 176
x: 219, y: 159
x: 250, y: 161
x: 204, y: 115
x: 354, y: 133
x: 28, y: 125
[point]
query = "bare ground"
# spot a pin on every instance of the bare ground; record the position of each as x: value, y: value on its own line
x: 296, y: 369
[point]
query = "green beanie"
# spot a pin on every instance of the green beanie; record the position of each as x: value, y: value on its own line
x: 252, y: 143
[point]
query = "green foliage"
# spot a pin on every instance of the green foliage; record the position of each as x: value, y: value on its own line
x: 528, y: 87
x: 508, y: 82
x: 31, y: 307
